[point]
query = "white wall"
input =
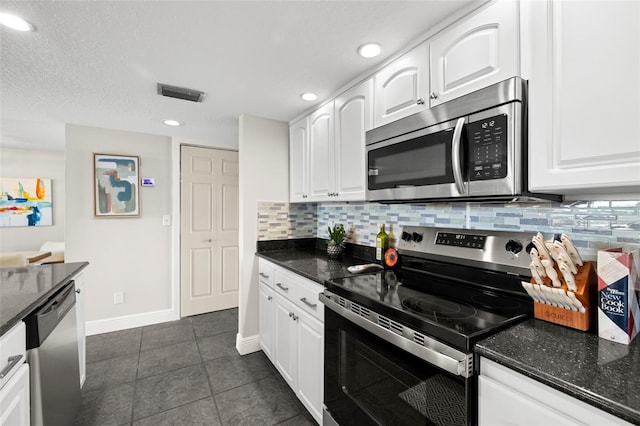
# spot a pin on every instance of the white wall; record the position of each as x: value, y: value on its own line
x: 264, y: 175
x: 132, y: 255
x: 31, y: 163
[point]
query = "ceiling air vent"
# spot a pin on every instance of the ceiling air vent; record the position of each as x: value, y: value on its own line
x: 180, y: 93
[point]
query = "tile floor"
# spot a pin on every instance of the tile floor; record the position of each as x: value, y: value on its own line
x: 185, y: 372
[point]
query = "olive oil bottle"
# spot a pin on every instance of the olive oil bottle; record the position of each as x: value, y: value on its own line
x: 382, y: 243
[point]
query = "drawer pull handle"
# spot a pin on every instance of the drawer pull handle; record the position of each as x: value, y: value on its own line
x: 263, y: 275
x: 306, y: 302
x: 282, y: 287
x: 11, y: 362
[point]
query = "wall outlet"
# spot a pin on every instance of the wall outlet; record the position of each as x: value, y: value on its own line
x: 118, y: 297
x: 166, y: 220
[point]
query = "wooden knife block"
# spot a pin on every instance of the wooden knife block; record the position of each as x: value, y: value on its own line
x: 587, y: 284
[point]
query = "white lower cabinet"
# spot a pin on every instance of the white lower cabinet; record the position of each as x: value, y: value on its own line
x: 292, y: 332
x: 14, y: 383
x: 506, y: 397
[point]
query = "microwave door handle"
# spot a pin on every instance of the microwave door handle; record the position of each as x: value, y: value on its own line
x: 456, y: 164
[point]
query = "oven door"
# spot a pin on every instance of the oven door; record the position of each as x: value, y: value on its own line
x: 369, y: 381
x: 428, y: 163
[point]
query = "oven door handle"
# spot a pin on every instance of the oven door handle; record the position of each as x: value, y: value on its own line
x: 456, y: 162
x: 434, y: 352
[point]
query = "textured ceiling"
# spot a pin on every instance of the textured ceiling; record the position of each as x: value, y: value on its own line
x: 96, y: 63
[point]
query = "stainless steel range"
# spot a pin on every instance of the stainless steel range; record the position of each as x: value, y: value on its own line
x: 399, y: 344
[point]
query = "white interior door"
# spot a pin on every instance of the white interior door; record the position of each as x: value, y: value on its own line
x: 208, y: 230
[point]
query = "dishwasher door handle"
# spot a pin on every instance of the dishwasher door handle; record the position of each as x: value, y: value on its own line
x: 12, y: 361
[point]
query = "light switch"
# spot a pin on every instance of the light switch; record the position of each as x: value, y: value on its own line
x: 166, y: 220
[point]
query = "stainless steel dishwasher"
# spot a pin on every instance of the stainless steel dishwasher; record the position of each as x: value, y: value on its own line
x: 52, y: 354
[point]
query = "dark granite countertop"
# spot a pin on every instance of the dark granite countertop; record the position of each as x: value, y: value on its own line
x: 309, y: 258
x: 22, y: 289
x: 599, y: 372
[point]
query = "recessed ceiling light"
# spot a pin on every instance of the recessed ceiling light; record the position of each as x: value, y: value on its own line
x: 172, y: 123
x: 309, y: 96
x: 14, y: 22
x: 369, y: 50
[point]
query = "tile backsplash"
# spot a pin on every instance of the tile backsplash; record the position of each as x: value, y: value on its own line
x: 592, y: 225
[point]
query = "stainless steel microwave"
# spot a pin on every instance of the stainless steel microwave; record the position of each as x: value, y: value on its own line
x: 470, y: 148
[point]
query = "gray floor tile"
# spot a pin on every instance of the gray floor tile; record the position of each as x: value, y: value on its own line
x: 229, y: 372
x: 156, y: 337
x: 199, y: 413
x: 109, y: 406
x: 217, y: 346
x: 112, y: 371
x: 264, y: 402
x: 167, y: 358
x: 159, y: 393
x: 215, y: 323
x: 111, y: 345
x: 299, y: 420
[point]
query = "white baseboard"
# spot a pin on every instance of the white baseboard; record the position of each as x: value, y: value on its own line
x: 129, y: 321
x: 247, y: 345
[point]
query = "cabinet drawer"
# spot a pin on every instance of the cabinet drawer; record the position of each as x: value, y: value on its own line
x: 13, y: 351
x: 307, y: 298
x: 266, y: 272
x: 285, y: 284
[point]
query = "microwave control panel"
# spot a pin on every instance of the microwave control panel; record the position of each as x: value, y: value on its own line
x: 488, y: 148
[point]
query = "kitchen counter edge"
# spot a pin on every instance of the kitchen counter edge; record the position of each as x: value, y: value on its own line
x: 71, y: 269
x: 539, y: 350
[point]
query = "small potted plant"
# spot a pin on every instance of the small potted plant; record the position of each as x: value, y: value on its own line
x: 336, y: 240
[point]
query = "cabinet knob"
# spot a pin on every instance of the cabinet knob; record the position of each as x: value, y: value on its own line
x: 434, y: 95
x: 269, y: 298
x: 420, y: 101
x: 78, y: 290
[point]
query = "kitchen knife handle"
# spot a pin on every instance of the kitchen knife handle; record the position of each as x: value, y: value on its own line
x: 456, y: 164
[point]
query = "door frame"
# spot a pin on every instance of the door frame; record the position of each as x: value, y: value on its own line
x: 176, y: 144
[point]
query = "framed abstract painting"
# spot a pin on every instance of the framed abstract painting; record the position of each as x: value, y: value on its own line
x: 25, y: 202
x: 116, y: 185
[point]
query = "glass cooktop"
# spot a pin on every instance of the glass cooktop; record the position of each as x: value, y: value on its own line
x: 455, y: 313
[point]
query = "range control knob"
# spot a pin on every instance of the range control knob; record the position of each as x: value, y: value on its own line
x: 513, y: 246
x: 416, y: 237
x: 406, y: 236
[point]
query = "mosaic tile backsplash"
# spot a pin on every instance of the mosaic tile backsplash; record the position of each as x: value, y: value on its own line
x: 592, y: 225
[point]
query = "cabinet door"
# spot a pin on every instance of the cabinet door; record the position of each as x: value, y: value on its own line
x: 266, y: 305
x: 286, y: 340
x: 499, y: 405
x: 584, y: 95
x: 353, y: 117
x: 80, y: 325
x: 298, y: 160
x: 311, y: 364
x: 402, y: 87
x: 476, y: 52
x: 14, y: 399
x: 321, y: 153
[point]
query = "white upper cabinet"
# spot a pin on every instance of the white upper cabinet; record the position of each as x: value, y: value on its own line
x: 353, y: 117
x: 321, y: 153
x: 584, y: 116
x: 480, y: 50
x: 299, y: 160
x: 402, y: 87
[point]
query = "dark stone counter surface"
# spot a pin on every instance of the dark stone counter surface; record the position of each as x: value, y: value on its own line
x: 308, y: 257
x: 599, y: 372
x: 22, y: 289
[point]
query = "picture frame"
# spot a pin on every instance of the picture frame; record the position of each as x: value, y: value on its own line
x: 116, y: 188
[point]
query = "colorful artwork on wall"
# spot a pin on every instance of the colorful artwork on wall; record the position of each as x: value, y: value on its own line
x: 116, y: 189
x: 25, y: 202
